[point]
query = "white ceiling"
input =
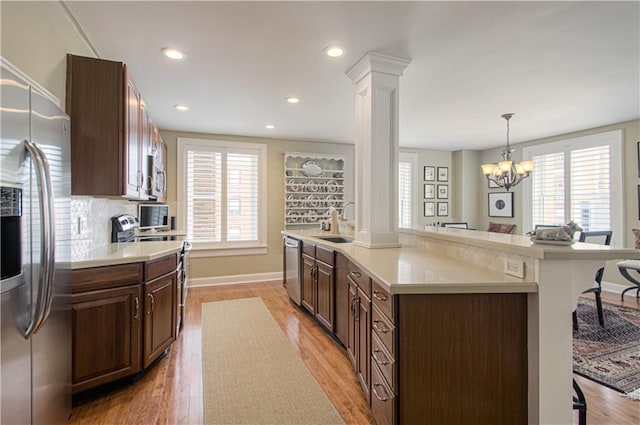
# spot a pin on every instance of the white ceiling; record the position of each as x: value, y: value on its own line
x: 560, y: 66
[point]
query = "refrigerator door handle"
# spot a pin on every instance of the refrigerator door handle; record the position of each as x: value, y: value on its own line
x: 47, y: 254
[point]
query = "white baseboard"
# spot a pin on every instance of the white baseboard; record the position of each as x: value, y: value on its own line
x: 614, y: 287
x: 234, y: 279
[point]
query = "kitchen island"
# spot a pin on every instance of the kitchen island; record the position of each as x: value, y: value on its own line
x: 449, y: 286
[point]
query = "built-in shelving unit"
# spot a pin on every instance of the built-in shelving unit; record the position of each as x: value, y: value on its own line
x: 312, y: 184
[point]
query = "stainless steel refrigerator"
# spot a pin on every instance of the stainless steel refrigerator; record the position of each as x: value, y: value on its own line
x: 35, y: 231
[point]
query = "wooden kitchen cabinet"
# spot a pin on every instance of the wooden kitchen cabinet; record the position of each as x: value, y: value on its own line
x: 106, y: 325
x: 342, y: 298
x: 318, y: 284
x: 160, y: 316
x: 359, y: 336
x: 158, y: 166
x: 124, y: 318
x: 107, y: 129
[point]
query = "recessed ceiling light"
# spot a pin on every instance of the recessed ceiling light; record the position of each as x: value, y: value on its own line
x: 293, y: 100
x: 269, y: 126
x: 182, y: 107
x: 174, y: 54
x: 334, y: 51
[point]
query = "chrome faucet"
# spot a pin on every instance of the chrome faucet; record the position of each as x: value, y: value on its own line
x: 344, y: 207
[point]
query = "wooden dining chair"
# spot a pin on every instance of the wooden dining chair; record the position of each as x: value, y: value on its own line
x: 600, y: 237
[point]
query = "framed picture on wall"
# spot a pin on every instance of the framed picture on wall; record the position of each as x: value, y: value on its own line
x: 492, y: 184
x: 429, y: 191
x: 639, y: 202
x: 443, y: 191
x: 429, y: 209
x: 429, y: 173
x: 443, y: 209
x: 443, y: 174
x: 638, y: 159
x: 501, y: 204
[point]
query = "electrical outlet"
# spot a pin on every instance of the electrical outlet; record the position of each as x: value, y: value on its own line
x: 514, y: 267
x: 82, y: 225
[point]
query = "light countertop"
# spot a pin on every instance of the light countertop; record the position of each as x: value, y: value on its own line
x: 409, y: 270
x: 122, y: 253
x: 522, y: 245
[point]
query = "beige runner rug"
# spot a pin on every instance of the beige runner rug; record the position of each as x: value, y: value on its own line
x: 252, y: 375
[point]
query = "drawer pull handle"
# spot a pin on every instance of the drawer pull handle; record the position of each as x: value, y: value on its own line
x: 375, y: 392
x: 382, y: 362
x: 137, y: 308
x: 379, y: 296
x: 153, y: 303
x: 356, y: 274
x: 383, y: 329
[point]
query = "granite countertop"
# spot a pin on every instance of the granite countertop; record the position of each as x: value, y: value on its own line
x: 123, y: 253
x: 413, y: 270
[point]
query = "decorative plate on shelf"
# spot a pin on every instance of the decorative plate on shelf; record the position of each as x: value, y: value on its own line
x: 293, y: 216
x: 312, y: 216
x: 311, y: 169
x: 331, y: 201
x: 313, y: 201
x: 293, y: 201
x: 312, y: 186
x: 294, y: 186
x: 332, y: 186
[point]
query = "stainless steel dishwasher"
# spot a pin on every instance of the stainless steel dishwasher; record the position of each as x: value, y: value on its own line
x: 292, y: 268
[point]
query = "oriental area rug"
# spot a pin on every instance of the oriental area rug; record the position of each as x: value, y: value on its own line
x: 609, y: 355
x: 252, y: 374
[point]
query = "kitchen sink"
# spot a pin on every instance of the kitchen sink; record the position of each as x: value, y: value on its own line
x: 335, y: 239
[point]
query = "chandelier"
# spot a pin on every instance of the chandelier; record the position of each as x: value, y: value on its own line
x: 505, y: 173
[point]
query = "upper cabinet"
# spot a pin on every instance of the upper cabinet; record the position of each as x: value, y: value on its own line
x: 111, y: 131
x: 312, y: 184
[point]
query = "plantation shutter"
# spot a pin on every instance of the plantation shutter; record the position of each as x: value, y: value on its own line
x: 222, y: 195
x: 548, y: 190
x: 405, y: 190
x: 591, y: 188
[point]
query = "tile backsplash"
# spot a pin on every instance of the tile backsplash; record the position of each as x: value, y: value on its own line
x: 95, y: 215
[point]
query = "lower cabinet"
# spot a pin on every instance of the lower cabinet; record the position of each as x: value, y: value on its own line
x: 106, y: 335
x: 359, y: 336
x: 159, y: 323
x: 124, y: 317
x: 318, y: 284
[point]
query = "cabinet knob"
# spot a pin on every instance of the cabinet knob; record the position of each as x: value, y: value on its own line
x: 379, y: 296
x: 356, y: 273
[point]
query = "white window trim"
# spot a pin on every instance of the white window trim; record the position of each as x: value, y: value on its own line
x: 611, y: 138
x: 412, y: 157
x: 207, y: 249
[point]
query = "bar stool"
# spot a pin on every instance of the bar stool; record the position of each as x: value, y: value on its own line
x: 625, y: 267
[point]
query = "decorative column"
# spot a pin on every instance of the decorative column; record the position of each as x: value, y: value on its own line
x: 376, y: 78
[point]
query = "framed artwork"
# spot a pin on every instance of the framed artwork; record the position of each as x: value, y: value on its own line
x: 501, y: 204
x: 639, y: 202
x: 443, y: 191
x: 638, y: 159
x: 429, y: 173
x: 492, y: 184
x: 443, y: 174
x: 443, y: 209
x: 429, y: 191
x: 429, y: 209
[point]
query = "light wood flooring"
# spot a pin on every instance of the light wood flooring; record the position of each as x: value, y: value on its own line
x: 171, y: 392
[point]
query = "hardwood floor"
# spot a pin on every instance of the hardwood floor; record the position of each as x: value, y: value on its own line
x: 171, y: 392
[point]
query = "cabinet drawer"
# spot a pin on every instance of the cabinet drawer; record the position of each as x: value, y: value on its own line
x: 383, y: 400
x: 96, y: 278
x: 325, y: 255
x: 383, y: 329
x: 360, y: 278
x: 385, y: 362
x: 383, y: 300
x: 156, y: 268
x: 309, y: 249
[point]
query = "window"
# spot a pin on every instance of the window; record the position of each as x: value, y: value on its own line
x: 405, y: 189
x: 222, y: 186
x: 576, y: 179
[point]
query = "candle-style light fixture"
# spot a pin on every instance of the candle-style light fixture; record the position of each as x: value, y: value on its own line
x: 505, y: 173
